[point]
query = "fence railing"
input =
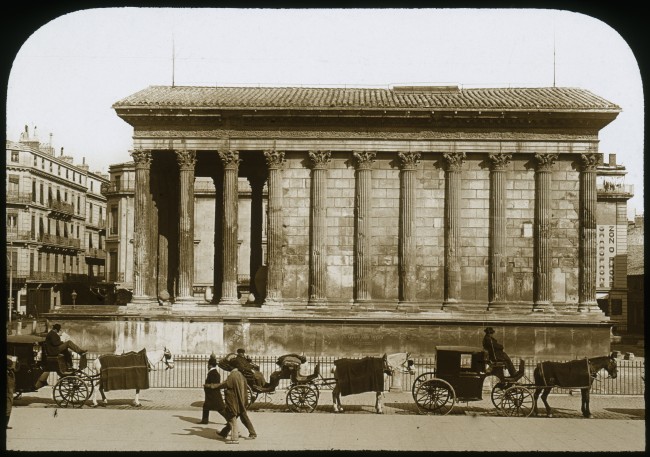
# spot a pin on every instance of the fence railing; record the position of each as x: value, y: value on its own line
x: 190, y: 371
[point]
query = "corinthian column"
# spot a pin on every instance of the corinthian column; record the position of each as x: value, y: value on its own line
x: 407, y: 244
x: 453, y: 162
x: 588, y: 244
x: 542, y: 283
x: 186, y: 162
x: 230, y: 230
x: 141, y: 236
x: 363, y: 245
x: 497, y: 265
x: 275, y: 234
x: 318, y: 252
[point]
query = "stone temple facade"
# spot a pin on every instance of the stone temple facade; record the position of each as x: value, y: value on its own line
x: 435, y: 210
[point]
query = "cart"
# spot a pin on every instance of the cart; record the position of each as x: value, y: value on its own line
x: 459, y: 376
x: 73, y: 386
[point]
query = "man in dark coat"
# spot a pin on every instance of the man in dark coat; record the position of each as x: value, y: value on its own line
x: 236, y: 402
x: 55, y: 346
x: 11, y: 385
x: 495, y: 351
x: 213, y: 399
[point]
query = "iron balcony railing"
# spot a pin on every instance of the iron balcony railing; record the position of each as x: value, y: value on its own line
x: 18, y: 235
x: 190, y: 371
x: 57, y: 240
x: 114, y: 187
x: 19, y: 197
x: 61, y: 207
x: 95, y: 253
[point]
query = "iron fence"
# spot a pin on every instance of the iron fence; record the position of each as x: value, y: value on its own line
x: 190, y: 371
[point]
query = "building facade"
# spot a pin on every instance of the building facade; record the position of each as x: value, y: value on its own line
x: 49, y: 205
x: 635, y: 277
x: 436, y: 207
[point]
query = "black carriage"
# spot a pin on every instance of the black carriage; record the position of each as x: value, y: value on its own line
x: 459, y: 377
x: 72, y: 388
x: 303, y: 392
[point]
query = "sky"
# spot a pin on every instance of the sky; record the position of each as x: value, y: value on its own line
x: 69, y: 72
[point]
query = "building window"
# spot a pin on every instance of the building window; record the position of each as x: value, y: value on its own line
x: 91, y: 185
x: 12, y: 223
x: 40, y: 194
x: 39, y: 260
x: 15, y: 157
x: 77, y: 232
x: 47, y: 262
x: 66, y: 173
x: 50, y: 166
x: 35, y: 161
x: 31, y: 263
x: 114, y: 220
x: 34, y: 191
x: 59, y: 169
x: 118, y: 182
x: 56, y: 263
x: 42, y: 163
x: 33, y: 229
x: 90, y: 212
x: 13, y: 184
x: 78, y: 204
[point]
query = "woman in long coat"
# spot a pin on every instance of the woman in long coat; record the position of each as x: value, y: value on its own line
x: 213, y: 399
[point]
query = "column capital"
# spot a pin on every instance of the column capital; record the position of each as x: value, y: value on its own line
x: 453, y: 161
x: 409, y: 160
x: 320, y: 159
x: 186, y: 159
x: 364, y: 159
x: 589, y: 162
x: 274, y: 158
x: 142, y: 158
x: 499, y: 161
x: 229, y: 158
x: 544, y: 162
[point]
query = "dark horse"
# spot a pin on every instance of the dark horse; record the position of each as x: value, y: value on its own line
x: 576, y: 374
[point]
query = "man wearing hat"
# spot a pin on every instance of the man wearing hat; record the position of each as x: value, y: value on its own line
x: 213, y: 399
x: 495, y: 351
x: 55, y: 346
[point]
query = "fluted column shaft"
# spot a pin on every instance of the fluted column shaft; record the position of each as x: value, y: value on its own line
x: 497, y: 262
x: 275, y: 233
x: 230, y: 224
x: 542, y: 262
x: 363, y: 244
x: 407, y: 242
x: 186, y: 163
x: 453, y: 162
x: 588, y: 242
x: 318, y: 252
x: 141, y: 235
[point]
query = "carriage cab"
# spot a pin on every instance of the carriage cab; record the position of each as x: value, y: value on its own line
x: 465, y: 368
x: 28, y: 350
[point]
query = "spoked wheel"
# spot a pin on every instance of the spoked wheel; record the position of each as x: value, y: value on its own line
x: 89, y: 383
x: 302, y: 398
x: 420, y: 379
x: 517, y: 401
x: 252, y: 396
x: 435, y: 396
x: 70, y: 391
x: 497, y: 394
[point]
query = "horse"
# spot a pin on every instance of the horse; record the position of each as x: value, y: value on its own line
x: 576, y: 373
x: 153, y: 357
x: 367, y: 375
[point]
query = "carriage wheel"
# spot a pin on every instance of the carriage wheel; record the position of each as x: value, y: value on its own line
x: 517, y: 401
x: 497, y: 394
x: 70, y: 391
x: 252, y: 396
x: 420, y: 379
x: 302, y: 398
x: 435, y: 396
x: 89, y: 383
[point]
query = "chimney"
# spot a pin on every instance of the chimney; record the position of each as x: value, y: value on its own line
x: 83, y: 160
x: 612, y: 160
x: 61, y: 151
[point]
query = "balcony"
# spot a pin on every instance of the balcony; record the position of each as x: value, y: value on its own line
x: 95, y: 253
x: 97, y: 223
x: 19, y: 198
x: 59, y: 241
x: 19, y: 235
x: 613, y: 190
x: 19, y: 274
x: 61, y: 209
x: 118, y: 187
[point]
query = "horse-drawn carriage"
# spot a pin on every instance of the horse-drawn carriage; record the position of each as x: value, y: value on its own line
x: 461, y: 371
x: 73, y: 386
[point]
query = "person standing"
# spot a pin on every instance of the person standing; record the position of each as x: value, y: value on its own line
x: 213, y: 399
x: 11, y: 385
x: 236, y: 400
x: 55, y: 346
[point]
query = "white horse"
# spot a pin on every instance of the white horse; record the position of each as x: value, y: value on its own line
x: 154, y: 356
x: 399, y: 362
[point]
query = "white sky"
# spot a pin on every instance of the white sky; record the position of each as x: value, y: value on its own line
x: 69, y: 72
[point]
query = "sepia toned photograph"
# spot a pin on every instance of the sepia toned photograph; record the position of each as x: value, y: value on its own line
x: 324, y: 229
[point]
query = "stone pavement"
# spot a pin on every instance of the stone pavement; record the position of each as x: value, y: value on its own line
x: 168, y: 421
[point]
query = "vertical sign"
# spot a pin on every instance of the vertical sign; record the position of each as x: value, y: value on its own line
x: 606, y: 255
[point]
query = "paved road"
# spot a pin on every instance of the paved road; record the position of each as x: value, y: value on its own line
x: 168, y: 421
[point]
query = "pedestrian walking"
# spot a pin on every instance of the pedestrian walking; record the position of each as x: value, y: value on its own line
x: 236, y: 398
x: 213, y: 398
x: 11, y: 385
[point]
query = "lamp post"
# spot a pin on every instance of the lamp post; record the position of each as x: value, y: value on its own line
x: 74, y: 298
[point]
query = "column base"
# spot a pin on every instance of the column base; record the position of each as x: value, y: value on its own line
x: 498, y: 306
x: 451, y: 304
x: 407, y: 306
x: 141, y: 303
x: 272, y: 303
x: 228, y: 301
x: 317, y: 302
x: 189, y: 300
x: 543, y: 307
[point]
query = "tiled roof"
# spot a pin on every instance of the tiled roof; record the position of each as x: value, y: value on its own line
x: 544, y: 98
